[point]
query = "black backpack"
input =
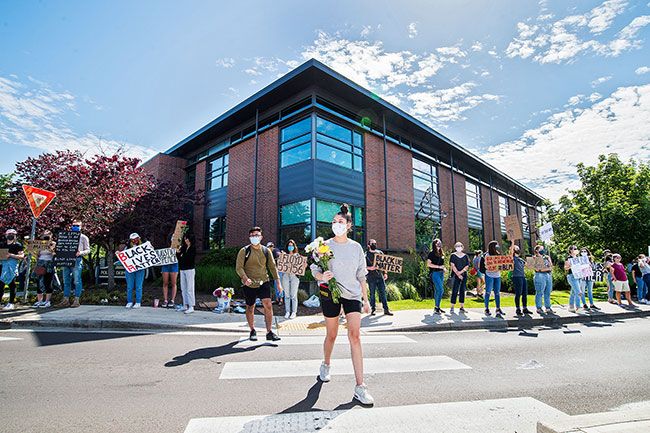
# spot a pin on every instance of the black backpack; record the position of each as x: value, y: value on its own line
x: 248, y: 254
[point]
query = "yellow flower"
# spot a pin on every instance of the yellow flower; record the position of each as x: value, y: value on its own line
x: 323, y: 249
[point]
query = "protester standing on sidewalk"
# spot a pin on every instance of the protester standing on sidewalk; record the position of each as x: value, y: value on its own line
x: 588, y: 282
x: 637, y: 275
x: 348, y: 267
x: 575, y: 283
x: 10, y: 267
x: 492, y: 281
x: 290, y: 283
x: 543, y: 281
x: 436, y: 265
x: 134, y: 280
x: 169, y: 277
x: 187, y: 264
x: 619, y: 278
x: 607, y: 268
x: 73, y: 273
x: 254, y: 262
x: 44, y: 271
x: 644, y: 267
x: 480, y: 276
x: 459, y: 267
x: 519, y: 281
x: 376, y: 280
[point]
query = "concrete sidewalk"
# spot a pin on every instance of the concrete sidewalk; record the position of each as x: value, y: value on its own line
x: 634, y: 419
x: 147, y: 318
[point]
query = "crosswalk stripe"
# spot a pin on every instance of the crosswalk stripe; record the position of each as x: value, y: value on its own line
x: 9, y: 338
x: 310, y: 367
x: 318, y: 340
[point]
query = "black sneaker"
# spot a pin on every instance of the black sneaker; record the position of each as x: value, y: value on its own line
x: 517, y: 312
x: 171, y: 305
x: 441, y: 311
x: 436, y: 310
x: 487, y: 312
x: 527, y: 311
x: 462, y: 310
x: 372, y: 312
x: 387, y: 313
x: 272, y: 337
x: 500, y: 312
x: 253, y: 335
x: 593, y: 307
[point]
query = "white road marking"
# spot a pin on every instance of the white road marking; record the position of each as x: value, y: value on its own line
x: 310, y: 367
x: 9, y: 338
x: 318, y: 340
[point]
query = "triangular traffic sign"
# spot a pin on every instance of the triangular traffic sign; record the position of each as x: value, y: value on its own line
x: 38, y: 199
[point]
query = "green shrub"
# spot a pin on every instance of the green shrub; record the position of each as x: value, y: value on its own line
x: 393, y: 293
x: 302, y: 296
x: 408, y: 291
x: 209, y: 277
x: 223, y: 257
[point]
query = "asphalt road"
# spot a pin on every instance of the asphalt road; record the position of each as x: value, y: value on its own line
x: 120, y: 382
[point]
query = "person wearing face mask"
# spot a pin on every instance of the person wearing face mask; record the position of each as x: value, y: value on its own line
x: 73, y: 273
x: 576, y: 283
x: 187, y: 263
x: 290, y: 282
x: 169, y: 278
x: 45, y: 271
x: 134, y: 280
x: 607, y: 268
x: 348, y: 267
x: 376, y: 280
x: 644, y: 267
x: 459, y: 266
x: 254, y: 262
x: 589, y: 282
x: 492, y: 281
x: 10, y: 267
x: 637, y: 276
x: 619, y: 278
x: 436, y: 265
x: 543, y: 281
x: 480, y: 277
x: 519, y: 281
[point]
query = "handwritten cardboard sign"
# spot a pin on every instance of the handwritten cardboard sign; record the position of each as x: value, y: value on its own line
x: 581, y: 267
x: 537, y: 263
x: 546, y: 232
x: 4, y: 253
x: 513, y: 227
x: 386, y: 263
x: 34, y: 246
x: 179, y: 231
x: 499, y: 263
x: 139, y: 257
x: 167, y: 256
x: 67, y: 245
x: 291, y: 264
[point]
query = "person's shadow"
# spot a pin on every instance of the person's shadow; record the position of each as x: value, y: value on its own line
x: 213, y: 352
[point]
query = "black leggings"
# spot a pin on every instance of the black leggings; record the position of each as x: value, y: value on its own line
x: 521, y: 290
x: 12, y: 290
x: 458, y: 289
x: 45, y: 281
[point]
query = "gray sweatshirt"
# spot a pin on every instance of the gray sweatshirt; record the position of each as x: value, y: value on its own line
x: 348, y: 267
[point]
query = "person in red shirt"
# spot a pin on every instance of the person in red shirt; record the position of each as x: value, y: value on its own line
x: 619, y: 278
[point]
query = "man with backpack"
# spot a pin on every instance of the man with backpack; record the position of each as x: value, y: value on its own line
x: 254, y: 262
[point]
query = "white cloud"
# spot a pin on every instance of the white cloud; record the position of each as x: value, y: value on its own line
x: 447, y: 104
x: 642, y: 70
x: 595, y: 97
x: 575, y: 100
x: 618, y: 124
x: 34, y: 116
x: 225, y: 62
x: 477, y: 46
x: 600, y: 80
x: 413, y: 30
x: 561, y: 41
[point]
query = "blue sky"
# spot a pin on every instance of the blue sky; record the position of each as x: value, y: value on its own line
x: 533, y: 87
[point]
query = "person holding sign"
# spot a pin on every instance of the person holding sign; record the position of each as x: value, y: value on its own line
x: 589, y: 281
x: 637, y: 277
x: 73, y: 273
x: 459, y: 266
x: 480, y: 276
x: 135, y: 279
x: 436, y: 265
x: 574, y: 280
x: 376, y: 280
x: 619, y: 278
x: 169, y: 278
x: 543, y: 280
x: 519, y: 281
x: 44, y: 271
x: 492, y: 281
x: 15, y: 255
x: 187, y: 264
x: 644, y: 267
x: 290, y: 283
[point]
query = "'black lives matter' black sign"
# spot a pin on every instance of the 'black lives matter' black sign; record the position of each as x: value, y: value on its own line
x: 67, y: 245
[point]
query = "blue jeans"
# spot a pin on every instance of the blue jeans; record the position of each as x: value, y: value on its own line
x: 377, y: 285
x: 490, y: 284
x: 71, y: 273
x: 646, y: 281
x: 588, y: 291
x: 438, y: 289
x: 543, y: 288
x: 641, y: 289
x: 610, y: 286
x: 576, y: 290
x: 134, y: 279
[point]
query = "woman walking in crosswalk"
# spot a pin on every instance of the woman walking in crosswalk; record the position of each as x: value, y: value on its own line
x: 348, y: 268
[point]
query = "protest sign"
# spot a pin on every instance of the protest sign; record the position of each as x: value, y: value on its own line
x: 4, y: 253
x: 35, y: 246
x: 179, y: 231
x: 67, y: 245
x: 537, y: 263
x: 546, y: 232
x: 167, y: 256
x: 499, y: 263
x: 291, y: 264
x: 386, y: 263
x: 139, y: 257
x: 581, y: 267
x: 513, y: 227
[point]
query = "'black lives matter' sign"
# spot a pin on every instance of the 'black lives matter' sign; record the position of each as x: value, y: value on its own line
x: 386, y: 263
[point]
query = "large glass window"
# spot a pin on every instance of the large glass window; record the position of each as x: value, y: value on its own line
x: 427, y: 204
x: 504, y: 209
x: 338, y: 144
x: 295, y: 143
x: 215, y: 233
x: 473, y: 195
x: 325, y: 211
x: 474, y: 216
x: 295, y: 223
x: 217, y: 173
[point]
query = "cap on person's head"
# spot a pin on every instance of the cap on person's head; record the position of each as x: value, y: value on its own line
x: 11, y: 232
x: 270, y: 244
x: 134, y: 236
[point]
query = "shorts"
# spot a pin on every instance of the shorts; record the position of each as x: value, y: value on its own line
x: 261, y: 292
x: 621, y: 286
x: 331, y: 310
x: 170, y: 268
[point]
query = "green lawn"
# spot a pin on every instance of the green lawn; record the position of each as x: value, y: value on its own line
x: 507, y: 300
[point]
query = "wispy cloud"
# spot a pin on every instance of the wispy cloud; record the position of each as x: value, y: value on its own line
x: 413, y: 30
x: 600, y: 80
x: 642, y: 70
x: 448, y: 104
x: 225, y: 62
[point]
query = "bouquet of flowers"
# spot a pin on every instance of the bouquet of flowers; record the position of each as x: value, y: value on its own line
x: 322, y: 254
x: 223, y: 296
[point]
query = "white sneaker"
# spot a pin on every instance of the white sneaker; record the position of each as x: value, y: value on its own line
x: 137, y: 305
x: 9, y: 306
x: 293, y: 316
x: 37, y: 304
x: 325, y: 373
x: 362, y: 395
x: 129, y: 305
x: 45, y: 304
x: 286, y: 316
x: 572, y: 310
x: 190, y: 310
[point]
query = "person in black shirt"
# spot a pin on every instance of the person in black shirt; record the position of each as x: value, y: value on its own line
x: 436, y: 265
x: 186, y: 265
x: 10, y: 266
x: 376, y: 279
x: 459, y: 266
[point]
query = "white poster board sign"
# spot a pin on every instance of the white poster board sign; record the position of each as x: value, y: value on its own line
x: 167, y: 256
x: 581, y: 267
x: 139, y: 257
x: 546, y: 232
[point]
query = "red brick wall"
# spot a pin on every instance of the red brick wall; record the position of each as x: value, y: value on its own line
x: 375, y: 189
x: 267, y: 185
x: 488, y: 221
x: 401, y: 214
x: 462, y: 229
x: 444, y: 185
x: 166, y: 167
x: 199, y: 209
x: 239, y: 206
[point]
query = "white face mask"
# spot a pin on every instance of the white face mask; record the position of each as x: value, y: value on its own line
x: 339, y: 229
x: 255, y: 240
x: 459, y: 249
x: 583, y: 254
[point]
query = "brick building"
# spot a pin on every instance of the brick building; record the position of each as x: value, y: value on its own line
x: 286, y: 157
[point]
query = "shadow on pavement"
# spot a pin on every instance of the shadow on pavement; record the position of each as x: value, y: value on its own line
x: 55, y: 338
x: 213, y: 352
